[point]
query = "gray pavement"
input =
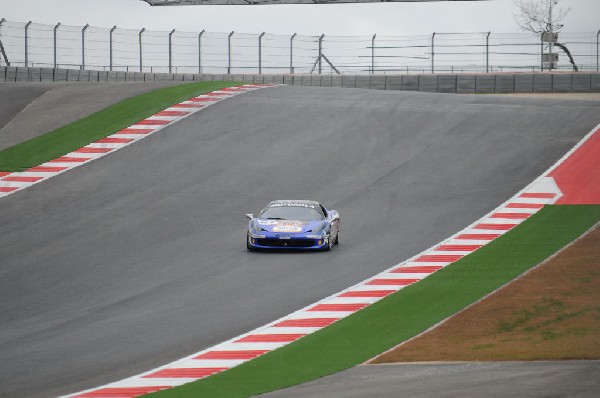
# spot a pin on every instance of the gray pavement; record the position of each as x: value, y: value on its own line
x: 30, y: 109
x: 461, y: 380
x: 138, y: 259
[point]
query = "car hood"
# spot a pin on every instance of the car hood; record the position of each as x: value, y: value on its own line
x: 289, y: 226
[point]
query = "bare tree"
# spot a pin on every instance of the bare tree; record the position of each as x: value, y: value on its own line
x: 541, y: 16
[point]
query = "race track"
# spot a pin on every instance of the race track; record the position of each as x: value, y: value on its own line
x: 138, y: 258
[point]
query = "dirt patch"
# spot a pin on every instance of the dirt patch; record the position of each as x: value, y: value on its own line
x: 553, y: 312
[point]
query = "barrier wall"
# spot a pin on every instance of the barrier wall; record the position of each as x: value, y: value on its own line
x: 443, y: 83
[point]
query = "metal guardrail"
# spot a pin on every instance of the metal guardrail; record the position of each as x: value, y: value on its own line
x: 142, y: 50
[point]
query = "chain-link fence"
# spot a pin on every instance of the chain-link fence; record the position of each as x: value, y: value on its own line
x: 89, y: 47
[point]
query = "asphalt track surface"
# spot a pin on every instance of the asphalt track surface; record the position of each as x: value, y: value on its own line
x: 138, y: 258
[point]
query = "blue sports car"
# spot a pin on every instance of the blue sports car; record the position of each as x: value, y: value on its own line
x: 293, y: 224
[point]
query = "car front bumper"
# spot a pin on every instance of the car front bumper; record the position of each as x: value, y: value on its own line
x: 288, y: 241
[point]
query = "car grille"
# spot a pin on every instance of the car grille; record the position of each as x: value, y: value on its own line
x: 286, y: 242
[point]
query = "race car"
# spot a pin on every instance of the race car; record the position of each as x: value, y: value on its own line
x: 293, y: 224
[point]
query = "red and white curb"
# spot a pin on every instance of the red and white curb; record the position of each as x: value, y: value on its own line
x: 17, y: 181
x: 544, y: 190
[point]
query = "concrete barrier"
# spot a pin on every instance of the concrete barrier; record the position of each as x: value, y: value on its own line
x: 60, y: 75
x: 378, y: 82
x: 560, y: 82
x: 22, y: 75
x: 72, y: 75
x: 505, y: 83
x: 349, y: 81
x: 581, y: 82
x: 542, y: 83
x: 35, y: 74
x: 446, y: 84
x: 465, y: 84
x: 485, y: 84
x: 428, y: 83
x: 362, y: 82
x: 595, y: 83
x: 524, y: 83
x: 393, y: 83
x: 410, y: 83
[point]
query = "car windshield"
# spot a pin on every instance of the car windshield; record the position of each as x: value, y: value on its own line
x: 292, y: 213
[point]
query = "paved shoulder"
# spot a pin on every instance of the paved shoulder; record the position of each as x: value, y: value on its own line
x: 481, y: 379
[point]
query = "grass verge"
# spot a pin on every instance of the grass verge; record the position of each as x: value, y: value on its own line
x: 552, y: 313
x: 383, y: 325
x: 99, y: 125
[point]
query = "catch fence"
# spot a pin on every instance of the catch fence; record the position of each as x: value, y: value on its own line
x: 117, y: 49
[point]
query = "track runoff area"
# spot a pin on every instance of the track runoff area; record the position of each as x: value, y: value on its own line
x: 572, y: 180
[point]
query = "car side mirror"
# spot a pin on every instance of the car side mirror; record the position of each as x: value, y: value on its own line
x: 250, y: 216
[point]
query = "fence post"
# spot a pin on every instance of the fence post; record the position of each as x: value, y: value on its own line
x: 27, y: 44
x: 83, y: 46
x: 542, y: 51
x: 111, y: 47
x: 487, y: 52
x: 229, y: 53
x: 141, y: 49
x: 597, y: 34
x: 260, y: 53
x: 200, y: 51
x: 55, y: 39
x: 320, y: 51
x: 373, y: 54
x: 432, y: 52
x: 170, y: 50
x: 292, y: 53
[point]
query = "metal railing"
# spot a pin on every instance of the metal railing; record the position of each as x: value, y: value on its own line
x: 142, y: 50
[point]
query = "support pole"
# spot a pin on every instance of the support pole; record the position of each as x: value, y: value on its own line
x: 487, y: 52
x: 229, y: 53
x: 260, y: 53
x: 27, y: 44
x: 432, y: 52
x: 200, y: 51
x: 373, y: 54
x: 111, y: 47
x: 320, y: 51
x: 550, y: 59
x: 292, y: 53
x: 171, y: 50
x: 141, y: 49
x: 542, y: 51
x: 597, y: 36
x: 55, y: 40
x: 83, y: 46
x: 1, y: 46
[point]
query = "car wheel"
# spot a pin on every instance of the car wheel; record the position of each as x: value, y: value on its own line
x: 250, y: 248
x: 337, y: 239
x: 329, y: 244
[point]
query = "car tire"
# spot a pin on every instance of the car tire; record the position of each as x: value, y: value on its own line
x: 248, y: 247
x: 330, y: 244
x: 337, y: 239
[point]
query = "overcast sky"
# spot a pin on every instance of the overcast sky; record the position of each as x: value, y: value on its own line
x: 334, y: 20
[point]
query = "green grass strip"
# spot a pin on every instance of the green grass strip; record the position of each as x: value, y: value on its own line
x: 99, y: 125
x: 383, y: 325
